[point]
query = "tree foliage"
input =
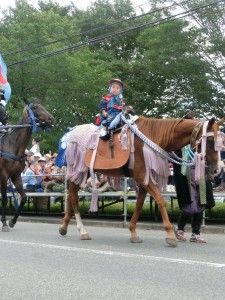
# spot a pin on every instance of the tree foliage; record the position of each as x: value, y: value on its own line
x: 169, y: 68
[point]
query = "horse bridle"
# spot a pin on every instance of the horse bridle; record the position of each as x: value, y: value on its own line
x: 33, y: 120
x: 195, y: 142
x: 200, y: 157
x: 34, y: 124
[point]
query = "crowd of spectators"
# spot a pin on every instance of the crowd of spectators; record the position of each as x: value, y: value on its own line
x: 41, y: 173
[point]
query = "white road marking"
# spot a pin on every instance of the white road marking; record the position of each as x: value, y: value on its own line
x: 115, y: 253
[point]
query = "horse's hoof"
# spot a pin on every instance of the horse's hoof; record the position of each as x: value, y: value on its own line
x: 85, y: 236
x: 136, y: 240
x: 62, y: 231
x: 11, y: 224
x: 171, y: 242
x: 5, y: 228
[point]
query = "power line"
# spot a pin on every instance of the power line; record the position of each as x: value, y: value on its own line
x: 63, y: 39
x: 96, y: 28
x: 102, y: 38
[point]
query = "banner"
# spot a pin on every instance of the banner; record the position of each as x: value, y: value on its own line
x: 3, y: 80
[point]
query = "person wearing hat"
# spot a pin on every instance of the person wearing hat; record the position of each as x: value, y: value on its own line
x: 29, y: 178
x: 110, y: 106
x: 29, y: 156
x: 37, y: 156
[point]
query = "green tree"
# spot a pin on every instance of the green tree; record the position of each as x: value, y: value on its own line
x: 175, y: 76
x: 168, y: 68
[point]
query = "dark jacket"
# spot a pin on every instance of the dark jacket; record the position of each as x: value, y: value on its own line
x: 183, y: 192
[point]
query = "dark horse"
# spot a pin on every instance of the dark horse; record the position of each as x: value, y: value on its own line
x: 12, y: 158
x: 170, y: 135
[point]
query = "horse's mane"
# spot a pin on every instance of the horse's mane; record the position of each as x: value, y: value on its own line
x: 160, y: 131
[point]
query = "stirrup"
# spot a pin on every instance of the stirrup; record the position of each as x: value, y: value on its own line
x: 105, y: 137
x: 104, y: 134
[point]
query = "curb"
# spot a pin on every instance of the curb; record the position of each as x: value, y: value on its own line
x: 216, y: 229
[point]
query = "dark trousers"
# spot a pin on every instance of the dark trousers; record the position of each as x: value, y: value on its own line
x: 196, y: 221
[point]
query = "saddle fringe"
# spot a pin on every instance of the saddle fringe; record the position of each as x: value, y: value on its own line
x: 156, y: 168
x: 79, y: 139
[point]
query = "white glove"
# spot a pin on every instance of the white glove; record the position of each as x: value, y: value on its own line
x: 3, y: 102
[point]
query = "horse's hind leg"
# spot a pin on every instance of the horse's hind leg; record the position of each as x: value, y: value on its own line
x: 132, y: 225
x: 19, y: 188
x: 69, y: 211
x: 155, y: 193
x: 84, y: 235
x: 73, y: 205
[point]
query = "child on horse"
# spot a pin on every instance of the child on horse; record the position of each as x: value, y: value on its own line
x: 110, y: 106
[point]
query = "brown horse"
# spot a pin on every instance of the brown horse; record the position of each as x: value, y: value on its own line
x: 169, y: 134
x: 12, y: 158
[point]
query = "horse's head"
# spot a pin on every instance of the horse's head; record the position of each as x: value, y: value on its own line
x: 38, y: 116
x: 210, y: 143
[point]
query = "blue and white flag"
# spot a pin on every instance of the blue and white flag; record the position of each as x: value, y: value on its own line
x: 3, y: 80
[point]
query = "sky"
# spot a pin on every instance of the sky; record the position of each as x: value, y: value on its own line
x: 80, y: 4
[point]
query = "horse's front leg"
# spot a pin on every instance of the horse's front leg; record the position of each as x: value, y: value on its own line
x: 17, y: 181
x: 138, y: 208
x: 73, y: 205
x: 154, y: 191
x: 5, y: 227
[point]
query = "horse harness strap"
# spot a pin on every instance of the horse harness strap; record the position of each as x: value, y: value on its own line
x: 11, y: 156
x: 8, y: 155
x: 156, y: 148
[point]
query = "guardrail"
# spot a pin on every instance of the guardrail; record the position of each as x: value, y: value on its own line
x: 115, y: 196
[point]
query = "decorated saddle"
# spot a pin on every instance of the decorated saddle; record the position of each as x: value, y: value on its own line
x: 85, y: 150
x: 111, y: 154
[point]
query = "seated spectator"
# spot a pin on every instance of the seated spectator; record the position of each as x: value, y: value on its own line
x: 54, y: 155
x: 29, y: 156
x: 36, y: 157
x: 57, y: 180
x: 49, y: 162
x: 29, y: 178
x: 102, y: 183
x: 48, y: 158
x: 44, y: 171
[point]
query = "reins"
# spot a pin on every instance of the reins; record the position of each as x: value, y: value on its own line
x: 171, y: 156
x: 156, y: 148
x: 33, y: 124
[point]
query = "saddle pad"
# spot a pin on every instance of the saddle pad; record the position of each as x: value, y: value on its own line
x: 104, y: 159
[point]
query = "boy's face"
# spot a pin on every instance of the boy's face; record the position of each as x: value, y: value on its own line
x: 116, y: 89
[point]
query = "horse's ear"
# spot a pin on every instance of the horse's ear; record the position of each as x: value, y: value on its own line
x: 26, y: 100
x: 221, y: 121
x: 212, y: 121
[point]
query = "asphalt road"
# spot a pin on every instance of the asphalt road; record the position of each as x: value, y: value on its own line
x: 37, y: 263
